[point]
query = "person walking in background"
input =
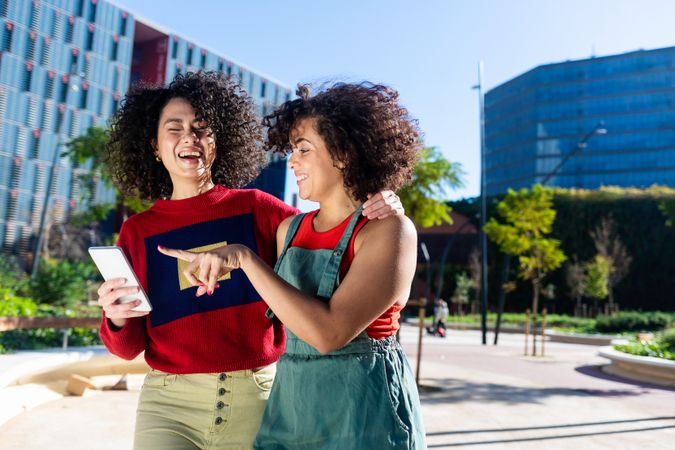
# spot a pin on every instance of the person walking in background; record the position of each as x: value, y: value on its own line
x: 341, y: 280
x: 441, y: 312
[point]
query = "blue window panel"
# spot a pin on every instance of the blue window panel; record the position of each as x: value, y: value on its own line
x: 104, y: 194
x: 7, y: 37
x: 9, y: 8
x: 22, y: 12
x: 61, y: 61
x: 11, y: 70
x: 9, y: 137
x: 87, y: 121
x: 47, y: 147
x: 27, y: 180
x: 6, y: 163
x: 96, y: 70
x: 80, y: 33
x: 91, y: 12
x: 47, y: 17
x: 127, y: 24
x: 24, y: 201
x: 19, y: 101
x: 19, y: 41
x: 39, y: 81
x: 100, y: 39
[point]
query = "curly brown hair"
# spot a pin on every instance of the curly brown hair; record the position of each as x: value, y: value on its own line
x: 217, y: 100
x: 364, y: 128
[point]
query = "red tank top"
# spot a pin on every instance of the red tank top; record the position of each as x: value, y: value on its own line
x: 306, y: 237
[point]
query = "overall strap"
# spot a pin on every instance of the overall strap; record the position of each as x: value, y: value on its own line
x: 290, y: 234
x: 332, y: 272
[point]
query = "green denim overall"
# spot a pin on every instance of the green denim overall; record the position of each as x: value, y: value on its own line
x: 361, y: 396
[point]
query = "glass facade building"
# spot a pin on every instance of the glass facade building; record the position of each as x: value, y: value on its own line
x: 64, y: 67
x: 534, y: 120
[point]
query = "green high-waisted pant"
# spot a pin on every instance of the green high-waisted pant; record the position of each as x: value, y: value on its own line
x: 203, y: 410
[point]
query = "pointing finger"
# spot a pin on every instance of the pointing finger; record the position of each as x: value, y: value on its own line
x: 179, y: 254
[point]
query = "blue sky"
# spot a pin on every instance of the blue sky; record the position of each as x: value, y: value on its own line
x: 428, y: 50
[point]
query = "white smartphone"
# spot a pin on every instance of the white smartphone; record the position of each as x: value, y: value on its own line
x: 112, y: 263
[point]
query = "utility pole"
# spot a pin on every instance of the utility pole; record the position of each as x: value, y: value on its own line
x: 483, y: 211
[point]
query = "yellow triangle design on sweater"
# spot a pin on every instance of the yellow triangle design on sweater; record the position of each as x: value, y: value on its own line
x: 183, y: 282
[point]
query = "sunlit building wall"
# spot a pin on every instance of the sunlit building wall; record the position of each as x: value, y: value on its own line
x: 64, y: 67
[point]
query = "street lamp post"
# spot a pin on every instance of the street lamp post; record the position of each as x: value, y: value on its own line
x: 483, y: 210
x: 598, y: 130
x: 52, y: 172
x: 427, y: 259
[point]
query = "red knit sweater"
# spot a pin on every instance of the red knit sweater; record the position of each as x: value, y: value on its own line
x: 185, y: 334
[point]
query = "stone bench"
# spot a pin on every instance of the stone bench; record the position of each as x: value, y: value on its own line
x: 640, y: 368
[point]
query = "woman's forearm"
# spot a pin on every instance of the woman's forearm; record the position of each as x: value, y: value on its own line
x: 308, y: 317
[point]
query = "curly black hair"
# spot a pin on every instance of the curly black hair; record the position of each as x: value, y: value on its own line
x: 364, y: 128
x: 217, y: 100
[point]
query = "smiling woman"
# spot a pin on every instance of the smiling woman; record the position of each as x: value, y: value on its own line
x: 154, y: 117
x: 186, y: 148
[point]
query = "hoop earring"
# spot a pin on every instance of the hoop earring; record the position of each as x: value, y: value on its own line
x: 158, y: 159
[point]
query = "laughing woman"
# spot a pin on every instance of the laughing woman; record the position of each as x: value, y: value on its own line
x: 341, y: 280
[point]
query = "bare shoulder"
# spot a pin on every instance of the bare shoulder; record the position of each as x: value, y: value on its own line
x: 281, y: 233
x: 283, y: 226
x: 395, y: 228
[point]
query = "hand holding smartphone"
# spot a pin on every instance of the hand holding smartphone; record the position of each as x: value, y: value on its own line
x: 112, y: 263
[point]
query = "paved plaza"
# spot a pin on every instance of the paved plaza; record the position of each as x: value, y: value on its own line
x: 473, y: 396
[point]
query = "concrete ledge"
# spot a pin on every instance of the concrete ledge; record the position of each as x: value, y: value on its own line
x: 29, y: 378
x: 640, y: 368
x: 584, y: 339
x: 54, y: 364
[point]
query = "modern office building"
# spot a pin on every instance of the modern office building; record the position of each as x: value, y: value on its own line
x: 534, y: 120
x: 64, y: 67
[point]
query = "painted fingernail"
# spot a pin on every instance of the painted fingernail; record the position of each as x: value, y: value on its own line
x: 161, y: 247
x: 210, y: 292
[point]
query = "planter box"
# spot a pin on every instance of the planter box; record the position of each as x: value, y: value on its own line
x: 641, y: 368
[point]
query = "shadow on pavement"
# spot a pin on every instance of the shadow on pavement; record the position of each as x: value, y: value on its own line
x: 548, y: 438
x: 449, y: 390
x: 549, y: 427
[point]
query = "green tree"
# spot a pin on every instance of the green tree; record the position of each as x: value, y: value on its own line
x: 597, y: 271
x: 610, y: 247
x: 462, y: 294
x: 575, y: 277
x: 528, y: 216
x: 62, y: 283
x: 667, y: 207
x: 12, y: 278
x: 90, y: 150
x: 425, y: 197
